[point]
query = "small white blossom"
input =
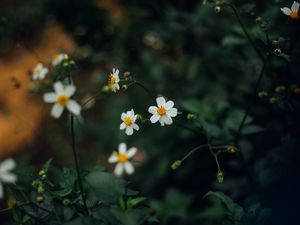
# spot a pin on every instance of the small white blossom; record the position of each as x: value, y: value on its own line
x: 58, y: 58
x: 122, y: 159
x: 39, y: 72
x: 163, y: 112
x: 293, y: 11
x: 5, y: 174
x: 113, y: 80
x: 62, y: 99
x: 128, y: 123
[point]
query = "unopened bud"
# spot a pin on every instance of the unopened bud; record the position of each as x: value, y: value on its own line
x: 220, y: 176
x: 262, y: 94
x: 126, y: 74
x: 259, y: 20
x: 191, y: 116
x: 40, y: 189
x: 66, y: 202
x: 39, y: 199
x: 42, y: 173
x: 277, y: 51
x: 106, y: 89
x: 231, y: 149
x: 139, y: 117
x: 280, y: 89
x: 124, y: 87
x: 176, y: 164
x: 275, y: 42
x: 36, y: 183
x: 11, y: 203
x: 217, y: 9
x: 273, y: 100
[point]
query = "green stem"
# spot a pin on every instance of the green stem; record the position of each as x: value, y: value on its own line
x: 77, y: 164
x: 194, y: 150
x: 238, y: 17
x: 145, y: 89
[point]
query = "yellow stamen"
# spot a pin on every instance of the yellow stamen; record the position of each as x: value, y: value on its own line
x: 122, y: 158
x: 111, y: 80
x: 37, y: 70
x: 128, y: 121
x: 62, y: 100
x: 161, y: 111
x: 294, y: 15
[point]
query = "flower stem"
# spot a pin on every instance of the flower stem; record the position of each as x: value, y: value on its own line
x: 238, y: 17
x: 194, y: 150
x: 77, y: 165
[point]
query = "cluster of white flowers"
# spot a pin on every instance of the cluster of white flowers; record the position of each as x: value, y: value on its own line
x: 293, y: 11
x: 5, y: 174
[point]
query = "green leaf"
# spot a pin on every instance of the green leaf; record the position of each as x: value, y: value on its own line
x: 47, y: 165
x: 134, y: 202
x: 106, y: 187
x: 236, y: 211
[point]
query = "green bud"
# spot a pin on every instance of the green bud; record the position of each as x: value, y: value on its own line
x: 231, y: 149
x: 176, y: 164
x: 277, y: 51
x: 280, y: 89
x: 262, y: 94
x: 44, y: 177
x: 36, y: 183
x: 259, y: 20
x: 42, y: 173
x: 217, y: 9
x: 126, y: 74
x: 39, y: 199
x: 139, y: 117
x: 273, y: 100
x: 106, y: 89
x: 66, y: 202
x: 124, y: 87
x: 191, y: 116
x: 40, y: 189
x: 220, y: 176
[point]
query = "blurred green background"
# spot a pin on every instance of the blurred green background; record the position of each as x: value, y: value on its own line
x: 202, y: 61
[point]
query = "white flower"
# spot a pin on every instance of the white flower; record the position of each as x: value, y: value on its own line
x: 5, y: 175
x: 128, y: 123
x: 58, y: 58
x: 39, y: 72
x: 122, y: 159
x: 113, y: 80
x: 163, y: 112
x: 293, y: 11
x: 62, y: 98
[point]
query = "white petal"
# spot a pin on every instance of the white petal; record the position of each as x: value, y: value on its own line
x: 129, y: 168
x: 113, y: 158
x: 123, y: 116
x: 160, y: 101
x: 8, y: 178
x: 130, y: 113
x: 50, y: 97
x: 122, y: 148
x: 286, y: 11
x: 172, y: 112
x: 295, y: 6
x: 169, y: 105
x: 152, y: 109
x: 154, y: 118
x: 165, y: 120
x: 131, y: 152
x: 118, y: 169
x: 58, y: 87
x: 129, y: 130
x: 70, y: 90
x: 74, y: 107
x: 56, y: 111
x: 7, y: 165
x: 117, y: 86
x: 1, y: 191
x: 122, y: 126
x: 135, y: 126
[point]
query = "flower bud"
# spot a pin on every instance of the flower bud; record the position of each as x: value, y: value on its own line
x: 36, y: 183
x: 231, y: 149
x: 106, y: 89
x: 273, y: 100
x: 277, y: 51
x: 259, y: 20
x: 191, y: 116
x: 139, y: 117
x: 124, y: 87
x: 39, y: 199
x: 40, y: 189
x: 176, y: 164
x: 217, y: 9
x: 220, y: 176
x: 42, y: 173
x: 262, y: 94
x: 11, y: 203
x: 126, y: 74
x: 66, y: 202
x: 280, y: 89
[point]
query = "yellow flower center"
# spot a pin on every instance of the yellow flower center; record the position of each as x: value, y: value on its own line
x: 111, y: 80
x: 122, y: 158
x: 62, y: 100
x: 55, y: 57
x: 294, y: 15
x: 161, y: 111
x: 128, y: 121
x: 37, y: 70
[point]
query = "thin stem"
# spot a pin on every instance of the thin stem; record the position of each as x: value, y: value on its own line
x: 77, y: 164
x: 194, y: 150
x: 238, y: 17
x: 145, y: 89
x: 260, y: 77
